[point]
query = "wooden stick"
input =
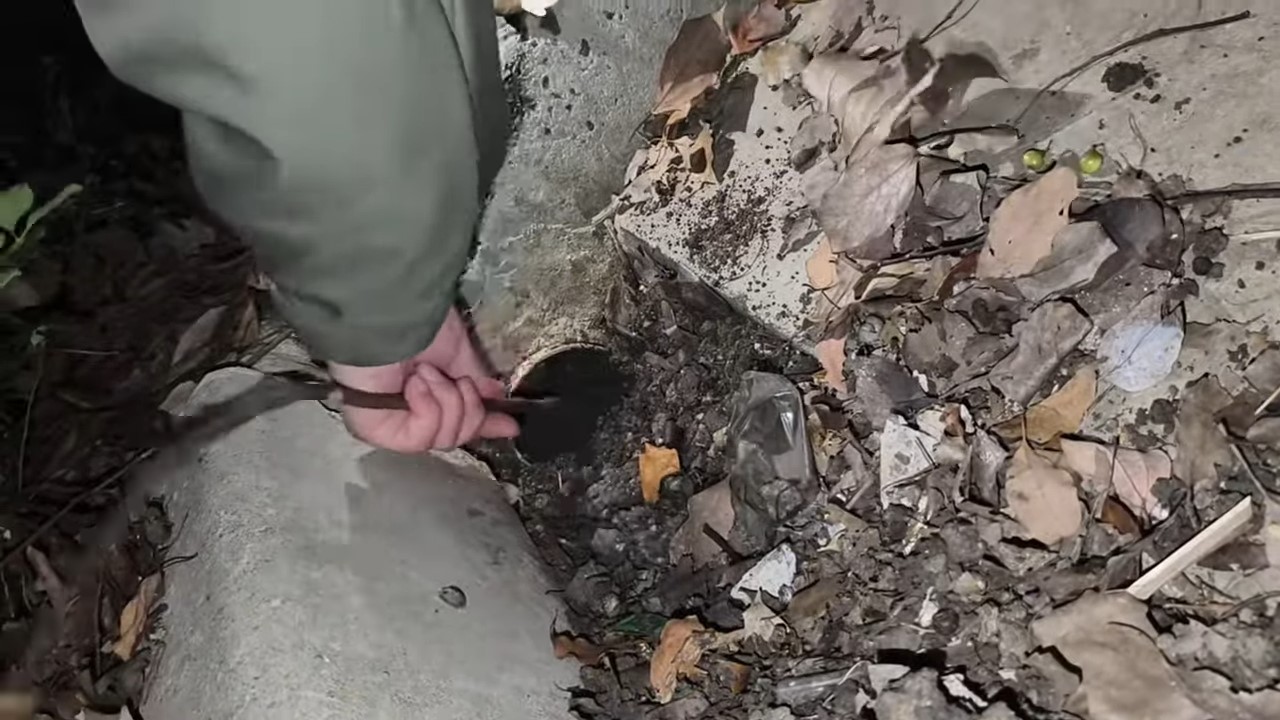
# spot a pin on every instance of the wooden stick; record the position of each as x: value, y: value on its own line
x: 1267, y: 403
x: 1238, y: 191
x: 1208, y: 540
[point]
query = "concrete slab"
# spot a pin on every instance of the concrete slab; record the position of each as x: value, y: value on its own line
x: 315, y: 590
x: 735, y: 235
x: 1203, y: 119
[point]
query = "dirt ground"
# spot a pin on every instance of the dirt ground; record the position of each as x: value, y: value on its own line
x: 93, y: 341
x: 1028, y: 468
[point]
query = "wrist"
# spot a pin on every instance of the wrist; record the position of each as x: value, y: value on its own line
x: 374, y: 379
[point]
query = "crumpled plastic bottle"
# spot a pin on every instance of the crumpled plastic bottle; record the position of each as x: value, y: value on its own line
x: 772, y: 475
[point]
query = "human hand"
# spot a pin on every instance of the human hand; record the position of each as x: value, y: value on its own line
x: 444, y: 386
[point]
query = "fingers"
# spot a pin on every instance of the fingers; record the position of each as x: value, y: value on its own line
x: 497, y: 426
x: 463, y: 417
x: 474, y: 412
x: 452, y: 407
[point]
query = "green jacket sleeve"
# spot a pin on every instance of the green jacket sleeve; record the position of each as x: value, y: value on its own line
x: 350, y: 141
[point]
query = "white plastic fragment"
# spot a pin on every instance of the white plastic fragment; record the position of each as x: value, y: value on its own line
x: 775, y: 574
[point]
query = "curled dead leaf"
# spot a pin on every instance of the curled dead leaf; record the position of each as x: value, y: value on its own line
x: 133, y: 618
x: 656, y: 464
x: 691, y: 66
x: 679, y: 649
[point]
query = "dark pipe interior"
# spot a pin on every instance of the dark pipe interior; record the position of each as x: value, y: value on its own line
x: 588, y: 383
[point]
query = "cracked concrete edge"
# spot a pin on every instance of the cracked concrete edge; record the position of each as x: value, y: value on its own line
x: 542, y: 273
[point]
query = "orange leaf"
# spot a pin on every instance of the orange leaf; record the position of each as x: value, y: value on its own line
x: 656, y: 464
x: 821, y: 266
x: 679, y: 650
x: 831, y: 354
x: 567, y: 645
x: 133, y: 619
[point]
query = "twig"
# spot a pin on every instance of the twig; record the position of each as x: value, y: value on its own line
x: 1260, y: 597
x: 48, y: 524
x: 1142, y: 140
x: 26, y: 420
x: 1194, y: 550
x: 1133, y: 42
x: 1264, y: 235
x: 1240, y: 191
x: 943, y: 25
x: 1267, y: 403
x: 952, y: 132
x: 1244, y: 462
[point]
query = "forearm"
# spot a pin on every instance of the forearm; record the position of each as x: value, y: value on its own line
x: 342, y: 139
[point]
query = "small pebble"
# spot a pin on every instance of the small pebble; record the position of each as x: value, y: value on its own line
x: 453, y: 596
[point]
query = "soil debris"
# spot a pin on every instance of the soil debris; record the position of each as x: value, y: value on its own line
x: 1025, y: 391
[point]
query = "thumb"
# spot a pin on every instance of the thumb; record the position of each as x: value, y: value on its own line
x: 497, y: 425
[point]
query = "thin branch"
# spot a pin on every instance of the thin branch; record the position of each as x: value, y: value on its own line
x: 17, y: 551
x: 1236, y: 191
x: 26, y: 420
x: 1133, y: 42
x: 950, y: 20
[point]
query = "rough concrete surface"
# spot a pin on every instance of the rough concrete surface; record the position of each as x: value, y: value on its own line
x: 1200, y: 111
x: 314, y: 593
x: 540, y: 269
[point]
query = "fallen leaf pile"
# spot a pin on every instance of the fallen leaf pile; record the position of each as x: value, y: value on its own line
x: 1030, y: 390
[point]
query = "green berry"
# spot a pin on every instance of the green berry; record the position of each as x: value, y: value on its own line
x: 1091, y: 163
x: 1035, y: 160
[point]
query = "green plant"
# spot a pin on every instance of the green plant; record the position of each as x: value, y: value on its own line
x: 20, y: 224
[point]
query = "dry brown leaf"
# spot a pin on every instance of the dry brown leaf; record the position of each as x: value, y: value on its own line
x: 691, y: 66
x: 196, y: 341
x: 1110, y: 644
x: 567, y: 645
x: 1202, y: 448
x: 830, y: 353
x: 738, y: 675
x: 248, y: 327
x: 1023, y: 227
x: 712, y: 508
x: 133, y: 618
x: 858, y: 93
x: 679, y: 649
x: 1042, y: 498
x: 1059, y: 414
x: 656, y: 464
x: 59, y: 596
x: 1130, y: 474
x: 697, y: 152
x: 871, y: 194
x: 757, y: 26
x: 821, y: 266
x: 1115, y: 514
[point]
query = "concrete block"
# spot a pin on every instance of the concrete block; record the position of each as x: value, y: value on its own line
x: 315, y: 591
